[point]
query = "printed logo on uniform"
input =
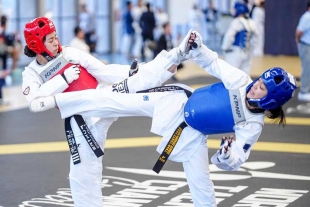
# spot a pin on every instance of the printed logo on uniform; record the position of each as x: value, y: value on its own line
x: 52, y: 70
x: 51, y: 24
x: 145, y: 98
x: 193, y: 113
x: 120, y: 87
x: 246, y: 147
x: 186, y: 114
x: 267, y: 74
x: 237, y: 108
x: 26, y: 91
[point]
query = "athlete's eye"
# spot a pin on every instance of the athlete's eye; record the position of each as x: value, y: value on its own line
x: 263, y: 86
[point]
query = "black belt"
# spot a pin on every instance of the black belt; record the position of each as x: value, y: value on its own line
x: 169, y: 147
x: 177, y: 133
x: 167, y: 88
x: 87, y: 135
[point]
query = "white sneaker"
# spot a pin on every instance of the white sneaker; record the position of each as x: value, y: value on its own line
x: 42, y: 104
x: 304, y: 97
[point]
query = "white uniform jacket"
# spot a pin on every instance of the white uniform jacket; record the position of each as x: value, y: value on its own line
x: 169, y: 114
x: 34, y: 87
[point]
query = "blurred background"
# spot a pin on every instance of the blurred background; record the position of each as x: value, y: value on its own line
x: 114, y: 38
x: 33, y: 151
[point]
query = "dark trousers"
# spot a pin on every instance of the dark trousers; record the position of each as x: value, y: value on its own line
x: 2, y: 82
x: 145, y: 37
x: 4, y: 64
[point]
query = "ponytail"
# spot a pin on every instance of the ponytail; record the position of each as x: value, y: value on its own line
x: 28, y: 52
x: 278, y: 116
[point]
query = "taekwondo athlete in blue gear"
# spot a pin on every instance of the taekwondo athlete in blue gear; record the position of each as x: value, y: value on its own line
x: 201, y: 110
x: 240, y: 38
x: 170, y: 108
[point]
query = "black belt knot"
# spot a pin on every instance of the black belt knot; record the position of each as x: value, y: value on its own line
x: 87, y: 135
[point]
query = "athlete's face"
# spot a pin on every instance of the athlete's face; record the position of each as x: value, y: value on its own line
x: 258, y: 90
x: 51, y: 43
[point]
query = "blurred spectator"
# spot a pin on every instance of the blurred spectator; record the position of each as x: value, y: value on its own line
x: 11, y: 47
x: 258, y: 15
x: 161, y: 18
x: 3, y: 75
x: 240, y: 38
x: 136, y: 12
x: 78, y: 40
x: 147, y: 24
x: 165, y: 42
x: 211, y: 17
x: 129, y: 30
x: 246, y: 2
x: 195, y: 17
x: 303, y: 43
x: 92, y: 41
x: 87, y: 24
x: 211, y: 13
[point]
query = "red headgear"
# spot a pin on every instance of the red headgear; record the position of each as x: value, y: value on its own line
x: 34, y: 33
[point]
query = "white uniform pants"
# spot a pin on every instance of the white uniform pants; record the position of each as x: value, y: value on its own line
x: 85, y: 177
x: 198, y: 178
x: 104, y: 104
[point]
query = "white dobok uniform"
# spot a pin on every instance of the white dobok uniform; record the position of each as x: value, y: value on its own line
x: 85, y: 177
x: 238, y: 42
x: 166, y: 109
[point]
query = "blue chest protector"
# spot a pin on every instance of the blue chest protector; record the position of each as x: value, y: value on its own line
x: 241, y: 39
x: 209, y: 110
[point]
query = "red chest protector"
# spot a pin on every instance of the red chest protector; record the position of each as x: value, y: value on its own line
x: 59, y: 65
x: 85, y: 80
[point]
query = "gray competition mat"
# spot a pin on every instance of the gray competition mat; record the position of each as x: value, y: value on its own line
x: 41, y: 179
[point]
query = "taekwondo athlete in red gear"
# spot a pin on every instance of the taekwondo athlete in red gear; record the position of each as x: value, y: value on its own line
x: 239, y: 39
x: 236, y: 104
x: 58, y: 69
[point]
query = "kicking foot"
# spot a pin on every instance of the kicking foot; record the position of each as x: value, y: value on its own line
x: 42, y: 104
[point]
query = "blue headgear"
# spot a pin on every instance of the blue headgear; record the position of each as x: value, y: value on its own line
x: 241, y: 8
x: 278, y: 93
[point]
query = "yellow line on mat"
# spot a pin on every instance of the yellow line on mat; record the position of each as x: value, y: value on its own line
x: 45, y: 147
